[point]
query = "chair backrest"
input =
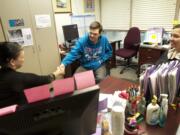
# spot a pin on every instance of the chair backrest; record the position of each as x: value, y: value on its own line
x: 133, y: 37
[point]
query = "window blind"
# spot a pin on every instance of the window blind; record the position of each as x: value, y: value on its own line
x: 153, y: 13
x: 115, y: 14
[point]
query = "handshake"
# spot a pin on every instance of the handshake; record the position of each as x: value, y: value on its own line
x: 60, y: 71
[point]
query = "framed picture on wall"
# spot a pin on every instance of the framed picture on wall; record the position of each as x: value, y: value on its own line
x: 89, y: 6
x: 62, y: 6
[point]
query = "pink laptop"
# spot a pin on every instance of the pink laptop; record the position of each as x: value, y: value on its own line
x: 37, y: 93
x: 63, y: 86
x: 8, y: 110
x: 84, y: 79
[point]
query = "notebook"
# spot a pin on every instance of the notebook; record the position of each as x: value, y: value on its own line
x: 37, y: 93
x: 84, y: 79
x: 8, y: 110
x: 63, y: 86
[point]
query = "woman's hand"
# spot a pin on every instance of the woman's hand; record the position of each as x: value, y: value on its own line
x: 60, y: 71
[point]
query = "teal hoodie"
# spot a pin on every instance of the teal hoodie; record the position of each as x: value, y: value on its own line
x: 90, y: 55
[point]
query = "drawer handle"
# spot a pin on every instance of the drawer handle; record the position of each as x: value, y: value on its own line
x: 149, y: 57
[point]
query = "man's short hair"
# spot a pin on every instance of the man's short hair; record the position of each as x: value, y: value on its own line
x: 176, y: 26
x: 96, y: 25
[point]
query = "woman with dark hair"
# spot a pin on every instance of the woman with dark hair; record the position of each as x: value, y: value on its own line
x: 12, y: 82
x: 174, y: 53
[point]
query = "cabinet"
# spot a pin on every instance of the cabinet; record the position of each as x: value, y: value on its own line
x: 1, y: 33
x: 42, y: 57
x: 149, y: 55
x: 112, y: 61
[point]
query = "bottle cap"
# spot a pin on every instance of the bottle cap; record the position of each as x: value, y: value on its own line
x: 154, y: 100
x: 164, y: 95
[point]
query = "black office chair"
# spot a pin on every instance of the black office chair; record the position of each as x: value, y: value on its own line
x: 131, y: 47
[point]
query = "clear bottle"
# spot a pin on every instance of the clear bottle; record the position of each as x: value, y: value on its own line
x: 152, y: 112
x: 163, y: 110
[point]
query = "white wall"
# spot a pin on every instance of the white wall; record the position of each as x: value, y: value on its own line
x: 61, y: 19
x: 115, y: 14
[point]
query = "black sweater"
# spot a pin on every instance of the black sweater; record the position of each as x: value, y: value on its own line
x: 12, y: 84
x: 164, y: 58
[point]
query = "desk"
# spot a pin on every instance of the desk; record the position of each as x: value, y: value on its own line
x: 172, y: 123
x: 148, y: 54
x: 110, y: 84
x: 113, y: 58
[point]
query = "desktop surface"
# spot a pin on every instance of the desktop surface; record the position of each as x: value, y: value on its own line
x: 110, y: 84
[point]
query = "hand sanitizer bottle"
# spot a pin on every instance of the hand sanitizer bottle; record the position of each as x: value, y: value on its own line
x: 152, y: 112
x: 163, y: 110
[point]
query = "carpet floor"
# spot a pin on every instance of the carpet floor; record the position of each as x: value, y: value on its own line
x: 128, y: 74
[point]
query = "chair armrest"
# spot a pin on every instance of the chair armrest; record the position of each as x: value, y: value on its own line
x: 116, y: 42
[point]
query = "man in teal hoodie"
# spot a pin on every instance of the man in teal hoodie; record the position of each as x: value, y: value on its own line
x: 92, y: 50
